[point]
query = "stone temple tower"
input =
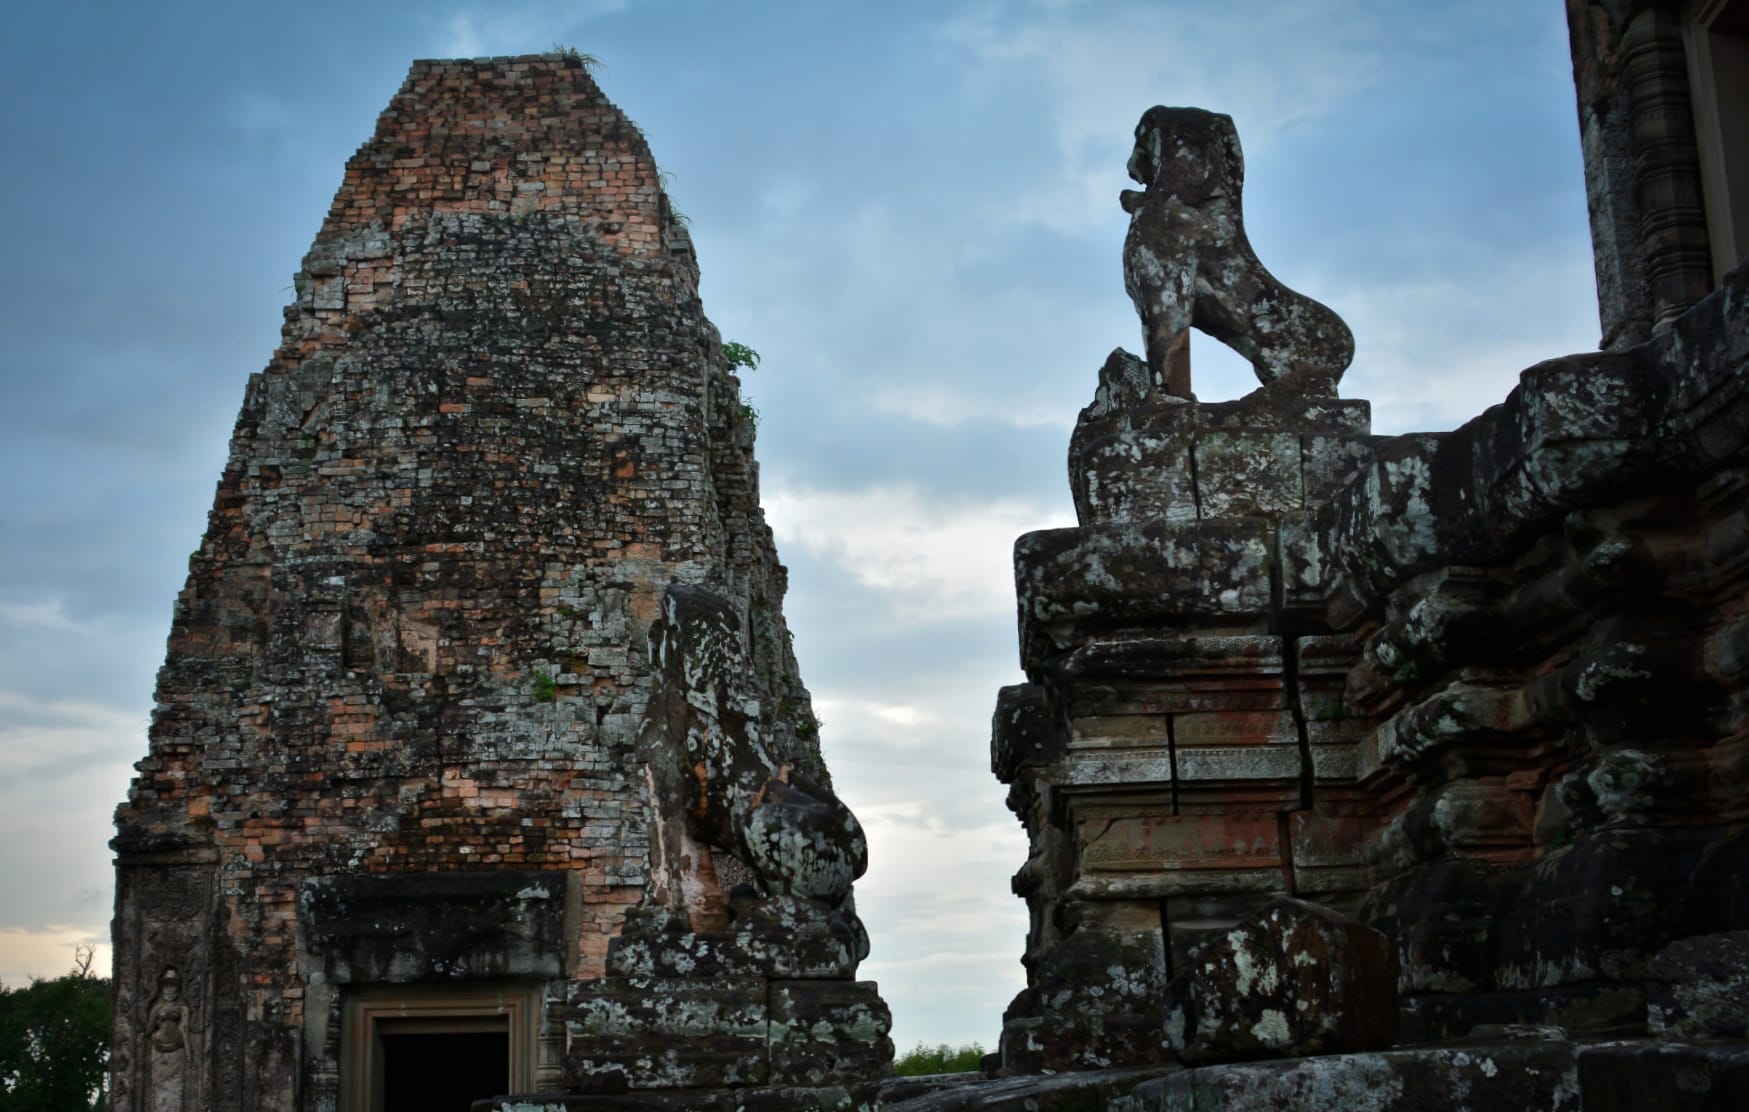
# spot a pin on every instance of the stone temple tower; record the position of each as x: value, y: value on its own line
x: 413, y: 760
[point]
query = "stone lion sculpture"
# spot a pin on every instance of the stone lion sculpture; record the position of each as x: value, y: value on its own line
x: 719, y: 784
x: 1188, y: 263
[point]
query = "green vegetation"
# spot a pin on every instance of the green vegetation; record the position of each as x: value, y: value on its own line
x: 922, y: 1060
x: 590, y: 61
x: 54, y: 1042
x: 738, y: 355
x: 542, y: 686
x: 741, y: 357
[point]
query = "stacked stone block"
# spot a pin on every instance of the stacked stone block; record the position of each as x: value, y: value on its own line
x: 770, y: 1000
x: 1555, y: 723
x: 1200, y: 770
x: 1480, y: 689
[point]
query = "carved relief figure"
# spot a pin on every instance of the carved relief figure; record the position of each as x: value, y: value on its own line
x: 168, y: 1043
x: 1188, y: 263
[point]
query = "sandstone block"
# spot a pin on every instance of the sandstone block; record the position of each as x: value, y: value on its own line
x: 1283, y: 409
x: 783, y: 936
x: 1247, y: 473
x: 1155, y: 842
x: 1604, y: 906
x: 1698, y: 988
x: 1294, y: 979
x: 1234, y: 727
x: 1330, y: 461
x: 1127, y: 572
x: 1500, y: 1076
x: 828, y: 1032
x: 662, y: 1033
x: 1634, y: 1076
x: 1439, y: 917
x: 1023, y: 732
x: 1239, y: 763
x: 1136, y: 476
x: 1094, y: 1004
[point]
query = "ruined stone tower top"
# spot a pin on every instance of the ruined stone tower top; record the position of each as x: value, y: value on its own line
x: 503, y: 135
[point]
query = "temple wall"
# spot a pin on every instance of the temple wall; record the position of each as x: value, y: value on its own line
x: 1481, y: 690
x: 1649, y: 137
x: 1485, y: 691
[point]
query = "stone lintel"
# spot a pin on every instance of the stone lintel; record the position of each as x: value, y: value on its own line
x: 415, y: 927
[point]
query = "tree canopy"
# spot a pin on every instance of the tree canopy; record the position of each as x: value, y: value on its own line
x: 54, y: 1042
x: 923, y: 1060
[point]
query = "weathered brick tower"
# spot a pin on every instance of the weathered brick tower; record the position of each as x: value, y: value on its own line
x: 406, y: 779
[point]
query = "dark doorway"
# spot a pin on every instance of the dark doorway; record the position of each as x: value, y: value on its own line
x: 443, y: 1071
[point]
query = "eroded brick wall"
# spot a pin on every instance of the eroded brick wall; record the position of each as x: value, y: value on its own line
x: 412, y: 640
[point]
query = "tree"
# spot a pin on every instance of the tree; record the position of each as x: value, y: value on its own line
x: 54, y: 1042
x: 921, y: 1060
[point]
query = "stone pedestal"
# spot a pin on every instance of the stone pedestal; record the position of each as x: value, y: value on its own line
x: 1481, y: 690
x: 1185, y: 750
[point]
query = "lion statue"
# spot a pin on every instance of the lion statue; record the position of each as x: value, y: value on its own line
x: 1187, y: 263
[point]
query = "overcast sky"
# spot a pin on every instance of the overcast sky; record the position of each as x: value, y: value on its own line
x: 908, y: 208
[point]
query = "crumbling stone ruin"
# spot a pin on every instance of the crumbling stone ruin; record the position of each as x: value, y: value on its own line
x: 1359, y: 772
x: 481, y: 763
x: 1401, y: 772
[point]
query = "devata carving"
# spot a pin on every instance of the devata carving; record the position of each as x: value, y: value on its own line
x: 164, y: 1037
x: 711, y: 765
x: 1187, y: 263
x: 168, y: 1041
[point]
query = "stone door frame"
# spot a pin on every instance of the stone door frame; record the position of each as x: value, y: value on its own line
x: 365, y: 1012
